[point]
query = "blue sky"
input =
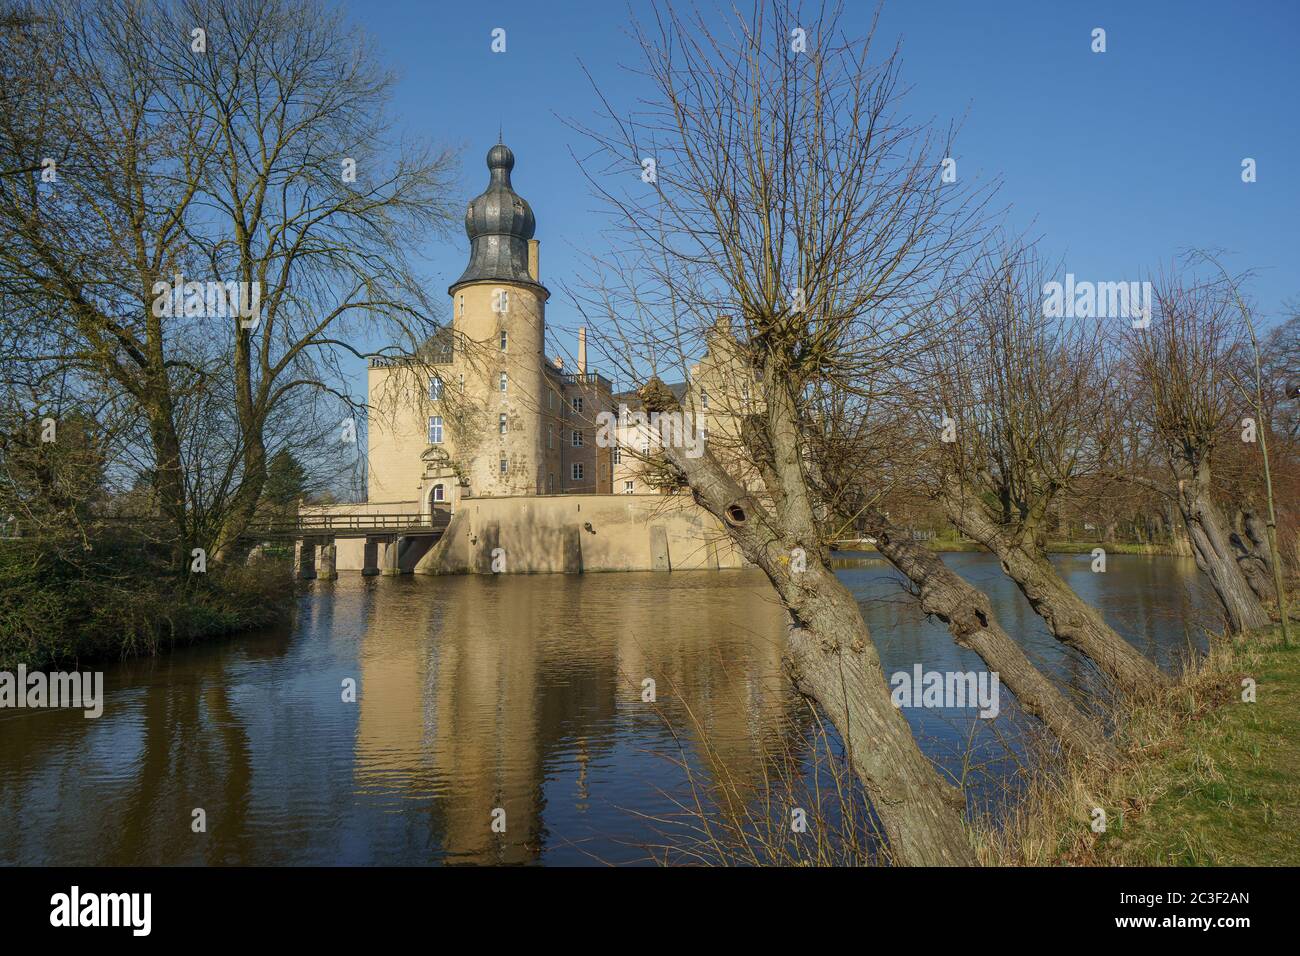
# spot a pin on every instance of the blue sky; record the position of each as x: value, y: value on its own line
x: 1117, y: 160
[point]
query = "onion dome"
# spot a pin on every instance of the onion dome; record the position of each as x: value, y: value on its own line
x: 499, y: 223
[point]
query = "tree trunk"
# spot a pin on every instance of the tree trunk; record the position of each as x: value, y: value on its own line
x: 1070, y: 620
x: 169, y: 480
x: 1214, y: 552
x: 157, y: 403
x: 243, y: 505
x: 832, y: 660
x: 969, y: 617
x: 830, y: 655
x: 1250, y: 540
x: 248, y: 409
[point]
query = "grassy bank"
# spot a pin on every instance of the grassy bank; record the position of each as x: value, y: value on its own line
x: 1114, y: 547
x: 63, y: 607
x: 1207, y: 779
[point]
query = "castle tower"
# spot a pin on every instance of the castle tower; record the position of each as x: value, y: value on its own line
x: 499, y: 315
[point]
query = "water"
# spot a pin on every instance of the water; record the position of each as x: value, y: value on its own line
x: 478, y: 695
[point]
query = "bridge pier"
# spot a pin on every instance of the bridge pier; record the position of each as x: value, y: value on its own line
x: 304, y: 559
x: 326, y: 560
x: 392, y: 547
x: 370, y: 557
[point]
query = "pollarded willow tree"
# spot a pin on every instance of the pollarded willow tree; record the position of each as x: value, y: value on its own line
x: 1185, y: 362
x: 769, y: 177
x: 1024, y: 397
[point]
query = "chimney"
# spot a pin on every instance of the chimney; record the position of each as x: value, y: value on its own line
x: 534, y: 260
x: 582, y: 351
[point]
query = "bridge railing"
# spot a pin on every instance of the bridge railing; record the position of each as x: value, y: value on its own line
x: 354, y: 523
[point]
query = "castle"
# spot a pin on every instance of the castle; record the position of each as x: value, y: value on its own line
x: 488, y: 414
x: 481, y: 415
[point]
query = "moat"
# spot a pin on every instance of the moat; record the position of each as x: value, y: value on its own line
x: 479, y: 693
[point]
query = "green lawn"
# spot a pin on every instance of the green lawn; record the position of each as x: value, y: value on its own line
x: 1226, y: 790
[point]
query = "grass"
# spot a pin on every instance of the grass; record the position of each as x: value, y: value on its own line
x: 1060, y: 546
x: 1207, y: 779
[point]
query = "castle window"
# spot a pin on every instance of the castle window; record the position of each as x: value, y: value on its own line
x: 618, y: 454
x: 577, y: 438
x: 604, y: 470
x: 704, y: 398
x: 577, y: 471
x: 505, y: 337
x: 504, y: 464
x: 550, y: 483
x: 550, y: 436
x: 435, y: 389
x: 501, y: 424
x: 550, y: 400
x: 504, y: 380
x: 435, y: 430
x: 629, y: 487
x: 462, y: 383
x: 577, y: 404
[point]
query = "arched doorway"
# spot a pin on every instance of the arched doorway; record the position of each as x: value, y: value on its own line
x: 438, y: 498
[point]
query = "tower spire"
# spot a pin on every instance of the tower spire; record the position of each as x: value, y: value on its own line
x: 499, y: 223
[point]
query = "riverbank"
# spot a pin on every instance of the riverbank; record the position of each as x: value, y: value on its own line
x: 62, y: 608
x: 1207, y: 778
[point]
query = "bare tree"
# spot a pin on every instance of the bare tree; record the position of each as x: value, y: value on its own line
x: 308, y: 196
x: 231, y: 143
x: 84, y: 237
x: 768, y: 177
x: 1022, y: 397
x: 1184, y: 361
x: 1255, y: 539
